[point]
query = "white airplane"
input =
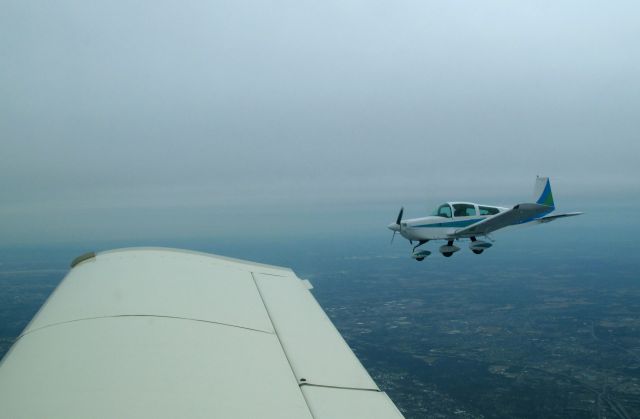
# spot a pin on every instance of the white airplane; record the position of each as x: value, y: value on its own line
x: 453, y: 221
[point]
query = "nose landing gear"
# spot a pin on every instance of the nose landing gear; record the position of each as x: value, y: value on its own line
x: 420, y: 243
x: 420, y: 255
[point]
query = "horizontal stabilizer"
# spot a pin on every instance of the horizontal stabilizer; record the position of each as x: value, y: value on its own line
x: 548, y: 218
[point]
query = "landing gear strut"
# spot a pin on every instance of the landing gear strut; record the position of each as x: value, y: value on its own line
x: 420, y: 243
x: 420, y: 254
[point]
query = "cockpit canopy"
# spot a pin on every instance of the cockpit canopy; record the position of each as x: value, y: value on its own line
x: 443, y: 210
x: 463, y: 209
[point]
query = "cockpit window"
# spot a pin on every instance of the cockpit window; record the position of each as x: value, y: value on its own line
x: 488, y: 210
x: 463, y: 210
x: 443, y: 210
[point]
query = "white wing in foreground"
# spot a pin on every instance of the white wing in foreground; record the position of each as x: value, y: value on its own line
x: 162, y: 333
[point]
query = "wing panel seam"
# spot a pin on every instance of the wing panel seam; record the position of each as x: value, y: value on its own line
x: 375, y: 390
x: 143, y: 315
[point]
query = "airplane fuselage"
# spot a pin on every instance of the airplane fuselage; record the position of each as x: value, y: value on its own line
x: 449, y: 218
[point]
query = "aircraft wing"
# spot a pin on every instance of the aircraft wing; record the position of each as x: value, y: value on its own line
x: 165, y: 333
x: 517, y: 215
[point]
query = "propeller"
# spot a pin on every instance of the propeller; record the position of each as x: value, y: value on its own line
x: 400, y: 216
x: 398, y: 223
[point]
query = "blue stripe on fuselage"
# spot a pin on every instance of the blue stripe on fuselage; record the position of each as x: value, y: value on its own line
x: 461, y: 223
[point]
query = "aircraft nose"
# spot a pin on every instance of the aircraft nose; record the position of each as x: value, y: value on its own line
x: 393, y: 227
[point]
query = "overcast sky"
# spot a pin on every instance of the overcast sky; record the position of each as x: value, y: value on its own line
x: 135, y: 119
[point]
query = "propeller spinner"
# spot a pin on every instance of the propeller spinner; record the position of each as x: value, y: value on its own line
x: 397, y: 226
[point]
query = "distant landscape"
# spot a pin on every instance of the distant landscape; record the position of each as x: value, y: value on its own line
x: 545, y: 324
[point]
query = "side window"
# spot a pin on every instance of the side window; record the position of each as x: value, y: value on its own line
x: 463, y: 210
x: 444, y: 211
x: 488, y: 211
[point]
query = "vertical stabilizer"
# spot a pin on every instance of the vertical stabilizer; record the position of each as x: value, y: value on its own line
x: 542, y: 192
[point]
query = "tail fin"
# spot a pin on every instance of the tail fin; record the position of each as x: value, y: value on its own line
x: 542, y: 192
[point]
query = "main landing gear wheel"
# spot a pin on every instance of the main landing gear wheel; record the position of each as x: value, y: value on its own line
x: 419, y: 259
x: 478, y: 246
x: 448, y: 249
